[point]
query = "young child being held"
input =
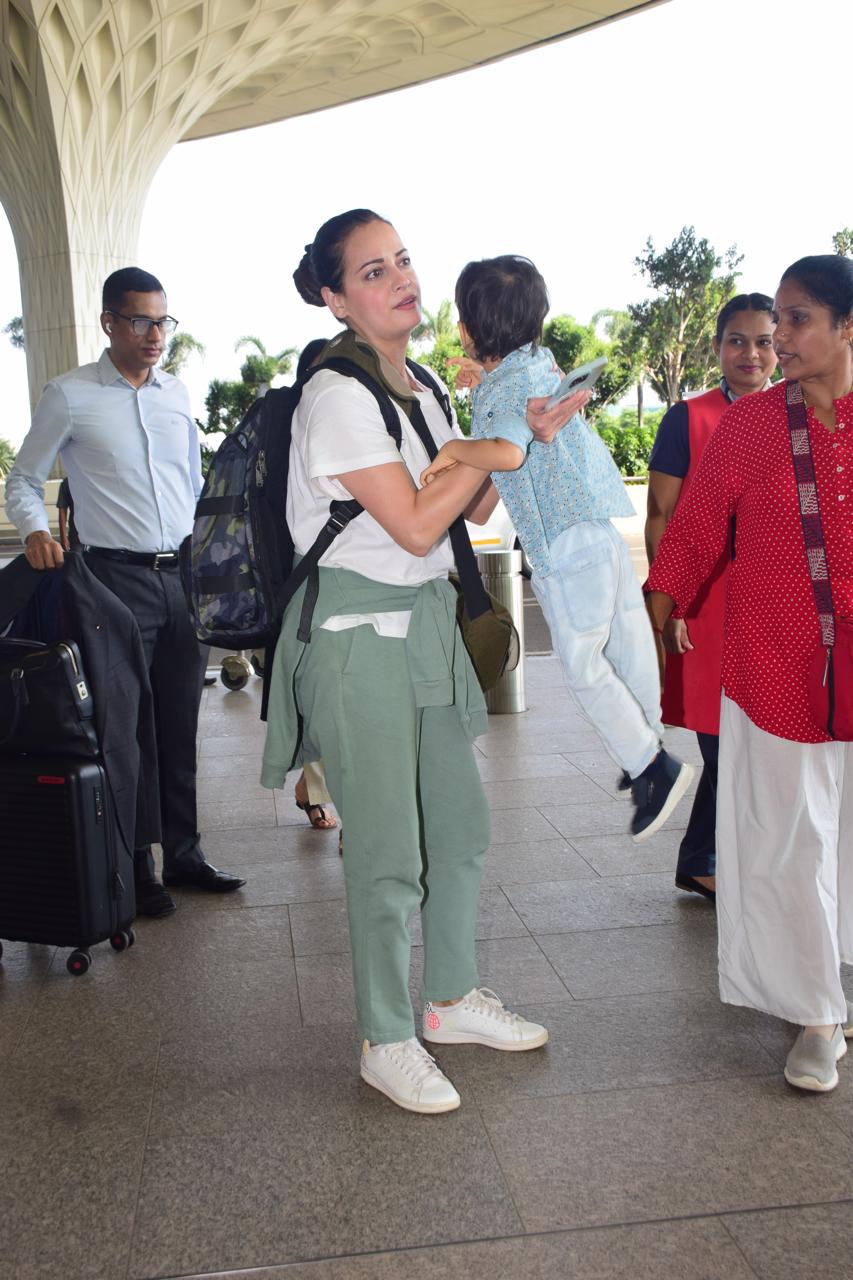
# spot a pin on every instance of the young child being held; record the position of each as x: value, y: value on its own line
x: 561, y: 498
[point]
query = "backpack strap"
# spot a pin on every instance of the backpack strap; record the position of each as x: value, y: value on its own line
x: 473, y: 592
x: 428, y: 379
x: 340, y: 513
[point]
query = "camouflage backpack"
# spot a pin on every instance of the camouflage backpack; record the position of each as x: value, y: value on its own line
x: 238, y: 568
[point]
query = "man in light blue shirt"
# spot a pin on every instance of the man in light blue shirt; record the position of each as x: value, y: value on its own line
x: 129, y: 444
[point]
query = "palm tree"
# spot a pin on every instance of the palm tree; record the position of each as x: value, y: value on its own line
x: 15, y: 330
x: 258, y: 370
x: 7, y: 457
x: 181, y: 347
x: 619, y: 329
x: 435, y: 325
x: 842, y: 242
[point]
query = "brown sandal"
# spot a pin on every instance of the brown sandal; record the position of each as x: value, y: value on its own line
x: 317, y: 816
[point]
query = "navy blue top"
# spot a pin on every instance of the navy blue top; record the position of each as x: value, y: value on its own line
x: 671, y: 449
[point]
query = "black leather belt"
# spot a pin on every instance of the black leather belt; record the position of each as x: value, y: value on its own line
x: 147, y: 559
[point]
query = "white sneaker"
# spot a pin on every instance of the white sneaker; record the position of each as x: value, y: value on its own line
x: 480, y: 1018
x: 407, y: 1074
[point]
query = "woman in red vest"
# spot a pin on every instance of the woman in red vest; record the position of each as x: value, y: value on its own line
x: 691, y: 693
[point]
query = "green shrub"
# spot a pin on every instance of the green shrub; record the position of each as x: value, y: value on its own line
x: 630, y: 444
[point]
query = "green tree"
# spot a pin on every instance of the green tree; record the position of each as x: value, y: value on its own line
x: 573, y: 344
x: 842, y: 242
x: 445, y: 348
x: 260, y: 367
x: 7, y: 456
x: 15, y: 330
x: 181, y: 346
x: 622, y: 333
x: 227, y: 401
x: 675, y: 328
x: 629, y: 443
x: 436, y: 325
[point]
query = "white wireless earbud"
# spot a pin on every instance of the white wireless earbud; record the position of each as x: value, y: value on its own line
x: 109, y: 328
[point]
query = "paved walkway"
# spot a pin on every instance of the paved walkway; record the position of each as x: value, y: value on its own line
x: 192, y: 1107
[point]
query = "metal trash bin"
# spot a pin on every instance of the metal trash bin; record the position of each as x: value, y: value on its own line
x: 502, y: 577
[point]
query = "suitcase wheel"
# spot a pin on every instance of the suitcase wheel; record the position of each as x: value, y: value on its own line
x: 235, y: 672
x: 122, y: 940
x: 78, y: 963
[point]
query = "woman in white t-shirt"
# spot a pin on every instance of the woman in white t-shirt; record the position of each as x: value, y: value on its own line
x: 385, y: 692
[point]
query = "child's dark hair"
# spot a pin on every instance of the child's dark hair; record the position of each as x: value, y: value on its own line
x: 502, y: 302
x: 322, y: 264
x: 741, y: 302
x: 828, y: 278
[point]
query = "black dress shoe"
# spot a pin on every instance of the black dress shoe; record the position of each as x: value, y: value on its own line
x: 153, y: 900
x: 204, y: 876
x: 691, y: 885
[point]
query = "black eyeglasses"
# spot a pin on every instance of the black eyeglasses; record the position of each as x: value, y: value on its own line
x: 142, y: 326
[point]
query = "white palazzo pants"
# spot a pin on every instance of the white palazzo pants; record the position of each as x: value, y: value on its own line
x: 784, y: 871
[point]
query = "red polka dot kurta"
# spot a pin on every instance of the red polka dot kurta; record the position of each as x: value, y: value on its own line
x: 771, y: 626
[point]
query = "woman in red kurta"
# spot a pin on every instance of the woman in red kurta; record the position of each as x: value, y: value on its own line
x: 691, y: 694
x: 785, y: 791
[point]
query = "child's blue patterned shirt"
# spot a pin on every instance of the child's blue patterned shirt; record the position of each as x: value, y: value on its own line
x: 558, y: 484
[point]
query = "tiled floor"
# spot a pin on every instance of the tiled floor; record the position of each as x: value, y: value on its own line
x: 193, y: 1107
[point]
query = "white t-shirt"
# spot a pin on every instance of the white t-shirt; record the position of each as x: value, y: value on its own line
x: 337, y: 428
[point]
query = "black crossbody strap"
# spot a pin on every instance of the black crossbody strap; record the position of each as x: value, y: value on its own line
x: 340, y: 515
x: 804, y: 474
x: 423, y: 375
x: 473, y: 591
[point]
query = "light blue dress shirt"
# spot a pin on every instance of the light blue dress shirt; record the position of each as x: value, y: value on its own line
x: 131, y: 454
x: 558, y: 484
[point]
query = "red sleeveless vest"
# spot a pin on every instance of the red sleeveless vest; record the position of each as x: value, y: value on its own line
x: 691, y: 692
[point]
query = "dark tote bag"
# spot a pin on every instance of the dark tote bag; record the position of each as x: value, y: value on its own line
x: 829, y: 679
x: 45, y: 703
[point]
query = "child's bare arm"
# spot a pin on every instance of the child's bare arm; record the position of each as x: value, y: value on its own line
x: 482, y: 455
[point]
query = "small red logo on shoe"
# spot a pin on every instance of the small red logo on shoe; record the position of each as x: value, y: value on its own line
x: 433, y: 1021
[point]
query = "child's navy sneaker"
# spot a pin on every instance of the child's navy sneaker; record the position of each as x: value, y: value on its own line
x: 656, y: 792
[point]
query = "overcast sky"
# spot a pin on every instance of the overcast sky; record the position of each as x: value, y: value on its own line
x: 729, y: 116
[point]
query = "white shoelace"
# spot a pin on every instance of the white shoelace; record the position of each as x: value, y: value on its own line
x: 488, y: 1003
x: 412, y: 1059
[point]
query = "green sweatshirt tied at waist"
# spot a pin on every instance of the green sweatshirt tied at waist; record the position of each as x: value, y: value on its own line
x: 439, y: 666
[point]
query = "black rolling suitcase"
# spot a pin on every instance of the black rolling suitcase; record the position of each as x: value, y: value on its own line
x: 66, y: 878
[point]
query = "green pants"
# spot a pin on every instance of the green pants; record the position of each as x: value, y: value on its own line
x: 416, y: 822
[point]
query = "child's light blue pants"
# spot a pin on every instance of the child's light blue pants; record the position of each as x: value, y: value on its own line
x: 594, y: 608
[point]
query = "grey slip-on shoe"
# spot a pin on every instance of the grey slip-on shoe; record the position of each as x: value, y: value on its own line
x: 811, y: 1062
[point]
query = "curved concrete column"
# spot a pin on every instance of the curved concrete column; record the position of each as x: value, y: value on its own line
x: 92, y: 97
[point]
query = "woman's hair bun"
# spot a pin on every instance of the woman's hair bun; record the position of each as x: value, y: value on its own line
x: 323, y: 263
x: 305, y: 279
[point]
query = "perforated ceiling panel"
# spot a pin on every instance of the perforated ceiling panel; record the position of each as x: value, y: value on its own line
x: 93, y: 94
